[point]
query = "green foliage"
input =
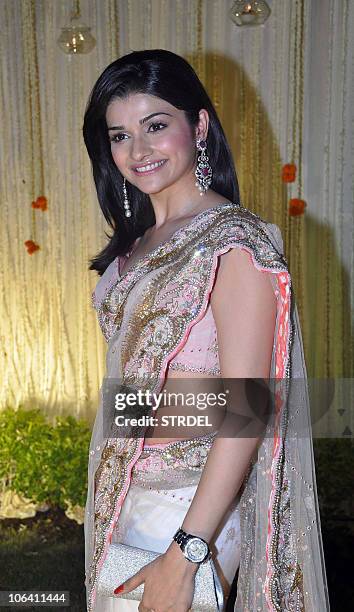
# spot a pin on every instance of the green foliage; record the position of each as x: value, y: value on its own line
x: 42, y: 462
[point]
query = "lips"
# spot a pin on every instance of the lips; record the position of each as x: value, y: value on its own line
x: 141, y: 172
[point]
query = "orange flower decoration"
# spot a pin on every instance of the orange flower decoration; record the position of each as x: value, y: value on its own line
x: 41, y: 202
x: 289, y: 173
x: 31, y: 246
x: 296, y: 207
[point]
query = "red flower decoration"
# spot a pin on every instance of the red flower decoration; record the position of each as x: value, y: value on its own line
x: 31, y: 246
x: 289, y: 173
x: 296, y: 207
x: 41, y: 202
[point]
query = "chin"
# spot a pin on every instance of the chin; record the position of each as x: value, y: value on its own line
x: 154, y: 190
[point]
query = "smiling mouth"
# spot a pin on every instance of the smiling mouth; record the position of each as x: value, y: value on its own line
x: 150, y: 168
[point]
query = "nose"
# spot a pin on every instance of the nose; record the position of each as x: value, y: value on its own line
x: 140, y: 148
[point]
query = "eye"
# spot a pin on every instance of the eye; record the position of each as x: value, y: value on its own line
x: 116, y: 138
x: 157, y: 124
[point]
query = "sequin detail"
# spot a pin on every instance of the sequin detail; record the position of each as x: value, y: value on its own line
x: 110, y: 484
x: 200, y: 353
x: 178, y: 464
x: 183, y: 367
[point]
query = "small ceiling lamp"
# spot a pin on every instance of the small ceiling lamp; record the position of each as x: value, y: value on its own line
x: 76, y: 38
x: 252, y: 13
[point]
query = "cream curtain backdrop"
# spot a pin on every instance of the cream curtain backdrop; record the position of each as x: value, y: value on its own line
x: 284, y: 92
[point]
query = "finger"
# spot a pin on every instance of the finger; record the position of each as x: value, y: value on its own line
x: 130, y: 584
x: 143, y: 608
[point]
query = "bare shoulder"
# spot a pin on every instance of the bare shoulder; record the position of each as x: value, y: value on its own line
x: 237, y: 270
x: 243, y: 303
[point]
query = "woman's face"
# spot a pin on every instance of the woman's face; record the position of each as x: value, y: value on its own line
x: 137, y: 139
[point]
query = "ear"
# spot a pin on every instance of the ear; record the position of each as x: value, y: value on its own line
x: 131, y: 583
x: 202, y: 128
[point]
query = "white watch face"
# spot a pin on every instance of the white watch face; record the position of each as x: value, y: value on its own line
x: 196, y: 550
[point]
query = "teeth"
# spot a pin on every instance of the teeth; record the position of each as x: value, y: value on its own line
x: 149, y: 167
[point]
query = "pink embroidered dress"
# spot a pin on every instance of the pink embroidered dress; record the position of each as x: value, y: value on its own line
x: 157, y: 316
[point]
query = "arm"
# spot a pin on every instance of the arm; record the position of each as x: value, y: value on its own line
x: 244, y: 308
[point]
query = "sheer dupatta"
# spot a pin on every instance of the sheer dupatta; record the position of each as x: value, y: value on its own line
x: 146, y: 316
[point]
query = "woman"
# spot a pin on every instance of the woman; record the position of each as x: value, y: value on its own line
x: 194, y: 291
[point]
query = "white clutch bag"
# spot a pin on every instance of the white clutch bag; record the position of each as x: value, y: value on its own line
x: 123, y: 561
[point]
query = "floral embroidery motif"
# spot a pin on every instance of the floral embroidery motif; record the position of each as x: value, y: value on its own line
x: 179, y: 464
x: 110, y: 479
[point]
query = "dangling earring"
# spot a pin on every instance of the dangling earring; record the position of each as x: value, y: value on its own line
x: 204, y: 171
x: 128, y: 212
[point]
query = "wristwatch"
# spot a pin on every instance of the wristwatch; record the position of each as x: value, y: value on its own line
x: 194, y: 548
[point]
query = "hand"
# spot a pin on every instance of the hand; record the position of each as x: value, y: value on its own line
x: 168, y: 582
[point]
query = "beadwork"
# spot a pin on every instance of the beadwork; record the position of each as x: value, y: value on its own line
x: 177, y: 464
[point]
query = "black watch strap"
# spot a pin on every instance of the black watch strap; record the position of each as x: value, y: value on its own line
x: 182, y: 537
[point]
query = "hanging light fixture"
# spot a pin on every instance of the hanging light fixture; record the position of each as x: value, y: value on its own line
x: 251, y: 13
x: 76, y: 38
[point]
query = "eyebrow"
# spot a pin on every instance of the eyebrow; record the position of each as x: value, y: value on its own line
x: 141, y: 121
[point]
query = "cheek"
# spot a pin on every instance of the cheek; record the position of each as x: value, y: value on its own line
x: 177, y: 145
x: 181, y: 141
x: 117, y: 156
x: 174, y: 140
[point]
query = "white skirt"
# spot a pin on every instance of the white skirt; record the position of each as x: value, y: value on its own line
x: 149, y: 519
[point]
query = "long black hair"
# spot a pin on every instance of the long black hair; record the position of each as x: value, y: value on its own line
x: 168, y: 76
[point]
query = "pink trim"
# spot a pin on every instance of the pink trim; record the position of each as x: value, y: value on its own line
x: 116, y: 513
x: 282, y: 357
